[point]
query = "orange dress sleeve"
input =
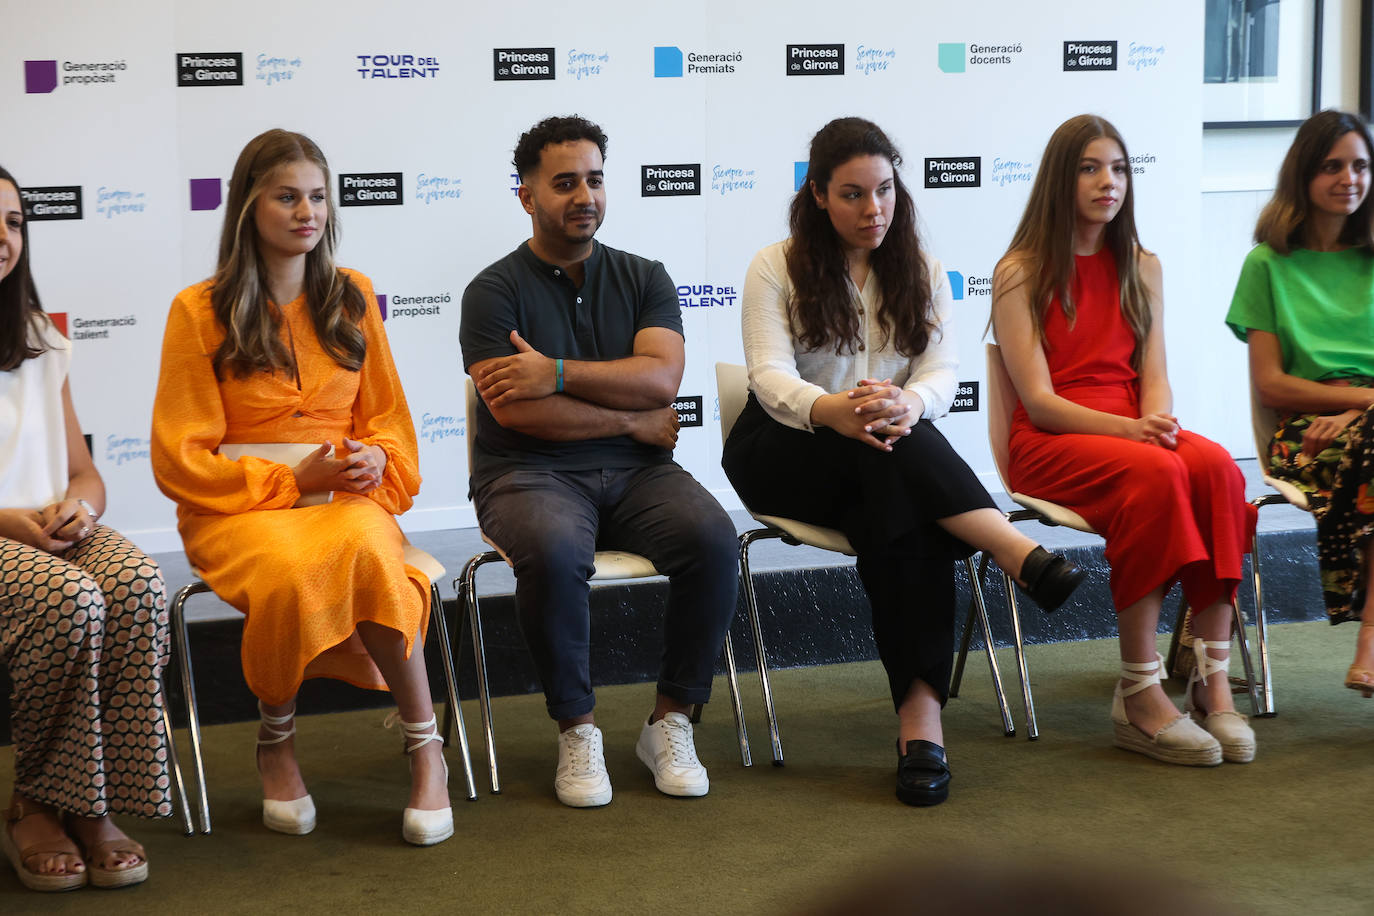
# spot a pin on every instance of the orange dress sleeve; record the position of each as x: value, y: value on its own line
x: 380, y: 414
x: 189, y: 423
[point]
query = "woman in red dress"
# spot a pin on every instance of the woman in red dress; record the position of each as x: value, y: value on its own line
x: 1078, y: 311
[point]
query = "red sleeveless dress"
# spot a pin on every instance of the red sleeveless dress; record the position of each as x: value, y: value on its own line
x: 1167, y: 516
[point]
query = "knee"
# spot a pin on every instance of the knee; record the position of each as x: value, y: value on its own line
x: 553, y: 553
x: 1158, y: 472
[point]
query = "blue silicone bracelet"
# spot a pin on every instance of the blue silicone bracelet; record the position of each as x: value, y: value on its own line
x: 557, y: 375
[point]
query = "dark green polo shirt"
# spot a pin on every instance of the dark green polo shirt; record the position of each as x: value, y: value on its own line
x: 621, y: 295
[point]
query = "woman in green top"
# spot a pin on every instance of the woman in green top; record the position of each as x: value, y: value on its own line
x: 1305, y: 305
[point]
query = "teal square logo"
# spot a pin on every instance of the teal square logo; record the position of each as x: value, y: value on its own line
x: 951, y: 57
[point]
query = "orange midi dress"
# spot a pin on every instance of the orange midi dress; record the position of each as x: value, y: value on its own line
x: 303, y: 577
x: 1166, y: 515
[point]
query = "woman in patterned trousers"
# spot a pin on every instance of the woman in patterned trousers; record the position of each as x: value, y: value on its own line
x: 83, y: 619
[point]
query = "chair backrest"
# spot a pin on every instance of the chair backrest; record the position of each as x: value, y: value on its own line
x: 732, y: 389
x: 1001, y: 396
x: 1264, y: 421
x: 471, y: 418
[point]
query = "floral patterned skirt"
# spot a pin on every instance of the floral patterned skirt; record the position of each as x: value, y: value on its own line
x: 1337, y: 483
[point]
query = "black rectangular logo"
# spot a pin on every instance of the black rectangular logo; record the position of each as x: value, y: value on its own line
x: 815, y: 60
x: 210, y: 68
x: 1089, y: 55
x: 52, y: 203
x: 522, y: 63
x: 954, y: 172
x: 688, y: 410
x: 683, y: 180
x: 965, y: 398
x: 370, y: 189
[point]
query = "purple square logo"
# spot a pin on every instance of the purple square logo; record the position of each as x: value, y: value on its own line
x: 206, y: 193
x: 381, y: 304
x: 40, y: 76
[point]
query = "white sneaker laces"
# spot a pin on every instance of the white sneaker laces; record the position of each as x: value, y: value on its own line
x: 680, y: 746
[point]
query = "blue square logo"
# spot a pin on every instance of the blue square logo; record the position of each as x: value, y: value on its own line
x: 951, y: 57
x: 956, y: 284
x: 798, y: 175
x: 667, y: 61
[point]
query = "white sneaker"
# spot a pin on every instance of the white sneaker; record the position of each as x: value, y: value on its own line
x: 666, y: 748
x: 582, y: 780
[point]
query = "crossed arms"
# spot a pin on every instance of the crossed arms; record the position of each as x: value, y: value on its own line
x: 631, y: 396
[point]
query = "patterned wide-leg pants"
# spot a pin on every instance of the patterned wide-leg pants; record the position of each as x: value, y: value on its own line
x: 84, y: 636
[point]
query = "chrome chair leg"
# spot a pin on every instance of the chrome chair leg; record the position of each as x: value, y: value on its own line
x: 1243, y: 645
x: 439, y: 624
x: 182, y: 648
x: 965, y: 642
x: 751, y: 608
x: 1019, y: 647
x: 976, y: 587
x: 174, y: 764
x: 1266, y: 684
x: 732, y: 677
x: 466, y: 586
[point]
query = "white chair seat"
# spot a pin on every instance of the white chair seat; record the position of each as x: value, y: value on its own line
x: 1289, y: 492
x: 811, y: 535
x: 609, y: 564
x: 1059, y: 515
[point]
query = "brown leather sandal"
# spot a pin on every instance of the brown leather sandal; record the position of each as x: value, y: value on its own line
x: 1361, y: 679
x: 36, y: 881
x: 99, y: 853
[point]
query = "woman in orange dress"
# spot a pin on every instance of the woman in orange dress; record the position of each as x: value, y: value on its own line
x: 281, y: 346
x: 1077, y: 309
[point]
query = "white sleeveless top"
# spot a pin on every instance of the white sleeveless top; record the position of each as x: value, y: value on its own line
x: 33, y: 430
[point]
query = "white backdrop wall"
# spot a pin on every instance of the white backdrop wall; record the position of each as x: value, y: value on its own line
x: 150, y: 139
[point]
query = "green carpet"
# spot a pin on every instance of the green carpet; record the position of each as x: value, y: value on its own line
x: 1282, y: 835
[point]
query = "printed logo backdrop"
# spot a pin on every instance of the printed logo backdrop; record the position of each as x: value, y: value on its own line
x: 418, y: 108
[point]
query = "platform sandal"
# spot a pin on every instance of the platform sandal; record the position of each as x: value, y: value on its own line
x: 421, y: 827
x: 297, y: 816
x: 1182, y: 741
x: 1231, y: 729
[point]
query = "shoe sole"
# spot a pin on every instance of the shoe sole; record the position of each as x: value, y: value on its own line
x: 32, y: 880
x: 117, y: 877
x: 288, y: 824
x: 594, y: 800
x: 922, y: 799
x: 1236, y: 751
x: 677, y: 791
x: 1130, y: 738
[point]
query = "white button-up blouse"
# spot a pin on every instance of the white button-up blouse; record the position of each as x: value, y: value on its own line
x: 787, y: 381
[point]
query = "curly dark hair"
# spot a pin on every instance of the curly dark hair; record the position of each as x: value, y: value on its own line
x: 21, y: 313
x: 560, y: 129
x: 823, y: 310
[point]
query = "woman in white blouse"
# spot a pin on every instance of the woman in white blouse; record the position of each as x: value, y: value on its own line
x: 849, y: 361
x: 83, y: 620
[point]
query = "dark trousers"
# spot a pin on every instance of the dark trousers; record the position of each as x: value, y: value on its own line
x: 887, y: 504
x: 551, y: 522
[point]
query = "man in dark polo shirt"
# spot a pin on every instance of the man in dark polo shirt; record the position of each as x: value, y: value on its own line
x: 577, y: 351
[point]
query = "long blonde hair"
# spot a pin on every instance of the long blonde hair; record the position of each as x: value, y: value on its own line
x: 239, y: 295
x: 1044, y: 239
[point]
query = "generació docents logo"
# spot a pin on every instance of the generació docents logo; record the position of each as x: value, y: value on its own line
x: 681, y: 180
x: 522, y: 64
x: 370, y: 189
x: 210, y: 68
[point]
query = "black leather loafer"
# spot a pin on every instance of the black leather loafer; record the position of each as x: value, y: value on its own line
x: 922, y: 773
x: 1050, y: 578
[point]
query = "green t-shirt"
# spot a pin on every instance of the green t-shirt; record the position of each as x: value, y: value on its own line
x: 1320, y: 305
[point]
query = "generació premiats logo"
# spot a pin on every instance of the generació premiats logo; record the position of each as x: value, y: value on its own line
x: 669, y: 61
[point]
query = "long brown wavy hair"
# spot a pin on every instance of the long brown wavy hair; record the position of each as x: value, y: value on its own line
x: 822, y: 310
x: 239, y: 295
x: 1044, y: 239
x: 1282, y: 223
x: 21, y: 314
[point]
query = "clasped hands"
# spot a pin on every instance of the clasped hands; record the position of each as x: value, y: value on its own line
x: 1160, y: 429
x: 53, y: 528
x: 360, y: 471
x: 877, y: 412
